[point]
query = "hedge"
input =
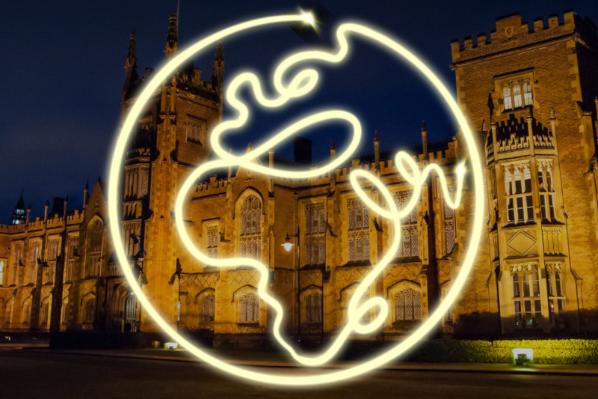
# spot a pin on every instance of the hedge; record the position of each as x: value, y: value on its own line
x: 546, y: 351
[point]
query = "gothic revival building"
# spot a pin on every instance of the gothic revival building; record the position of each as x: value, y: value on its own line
x: 528, y: 90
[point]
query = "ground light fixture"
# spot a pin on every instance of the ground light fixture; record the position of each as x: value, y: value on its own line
x: 287, y: 87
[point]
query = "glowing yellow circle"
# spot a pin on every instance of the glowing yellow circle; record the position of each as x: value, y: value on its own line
x: 329, y: 376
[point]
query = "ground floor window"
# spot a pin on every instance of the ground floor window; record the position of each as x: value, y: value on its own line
x: 526, y: 296
x: 248, y: 309
x: 408, y: 305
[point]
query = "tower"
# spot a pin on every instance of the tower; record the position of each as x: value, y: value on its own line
x: 531, y: 86
x: 172, y: 137
x: 19, y: 213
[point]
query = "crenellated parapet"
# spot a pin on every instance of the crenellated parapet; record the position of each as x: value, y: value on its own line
x: 512, y: 32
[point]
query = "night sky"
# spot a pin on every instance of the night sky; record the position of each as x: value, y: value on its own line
x: 62, y: 71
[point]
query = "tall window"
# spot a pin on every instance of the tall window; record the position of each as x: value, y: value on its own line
x: 196, y: 131
x: 546, y: 188
x: 72, y: 252
x: 249, y: 309
x: 408, y: 305
x: 44, y: 314
x: 506, y: 98
x: 554, y: 285
x: 94, y: 240
x: 518, y: 190
x: 2, y: 269
x: 89, y: 308
x: 313, y: 308
x: 516, y: 94
x: 528, y: 98
x: 206, y: 303
x: 212, y: 240
x: 359, y: 236
x: 315, y: 234
x: 53, y: 251
x: 17, y: 251
x: 526, y: 295
x: 409, y: 237
x: 251, y: 227
x: 449, y: 228
x: 131, y: 314
x: 34, y: 257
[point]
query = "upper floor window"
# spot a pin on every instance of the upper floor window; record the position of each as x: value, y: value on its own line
x: 249, y: 309
x: 449, y: 228
x: 526, y: 295
x: 409, y: 236
x: 72, y: 253
x: 315, y: 234
x: 518, y: 192
x: 2, y: 268
x: 196, y: 131
x: 546, y: 188
x: 251, y: 227
x: 212, y: 240
x: 206, y: 302
x: 359, y: 237
x: 517, y: 94
x: 95, y: 239
x: 408, y: 305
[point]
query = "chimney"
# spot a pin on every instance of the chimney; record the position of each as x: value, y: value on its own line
x: 46, y: 206
x: 302, y: 150
x: 332, y: 150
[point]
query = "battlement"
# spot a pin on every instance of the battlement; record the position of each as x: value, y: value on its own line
x: 39, y: 223
x: 512, y: 32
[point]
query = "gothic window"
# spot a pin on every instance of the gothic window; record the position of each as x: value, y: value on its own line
x: 94, y: 239
x: 53, y: 251
x: 72, y: 252
x: 554, y: 285
x: 315, y: 234
x: 526, y: 295
x: 409, y: 236
x: 131, y: 313
x: 212, y: 240
x: 249, y: 309
x: 26, y: 312
x: 196, y: 131
x: 89, y: 308
x: 506, y: 98
x: 408, y: 305
x: 251, y: 227
x: 359, y: 238
x: 207, y: 301
x: 44, y: 314
x: 517, y: 98
x: 17, y: 252
x: 2, y: 271
x: 518, y: 191
x: 312, y: 311
x: 546, y: 188
x: 528, y: 98
x: 449, y: 228
x: 33, y: 261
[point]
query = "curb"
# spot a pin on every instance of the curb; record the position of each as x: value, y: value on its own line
x: 431, y: 367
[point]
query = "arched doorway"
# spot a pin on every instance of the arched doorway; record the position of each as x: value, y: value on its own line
x: 131, y: 320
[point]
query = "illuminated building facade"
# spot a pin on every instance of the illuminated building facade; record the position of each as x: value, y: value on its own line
x: 528, y: 90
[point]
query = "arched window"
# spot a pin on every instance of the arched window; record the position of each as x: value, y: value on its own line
x: 94, y: 241
x: 528, y: 98
x: 358, y: 234
x: 89, y: 307
x: 249, y: 309
x: 206, y: 302
x: 26, y: 312
x: 408, y: 305
x: 312, y: 311
x: 251, y: 227
x: 409, y: 236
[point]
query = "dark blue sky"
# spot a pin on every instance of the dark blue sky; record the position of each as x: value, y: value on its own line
x: 62, y: 72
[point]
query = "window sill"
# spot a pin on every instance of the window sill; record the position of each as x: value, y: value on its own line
x: 253, y: 325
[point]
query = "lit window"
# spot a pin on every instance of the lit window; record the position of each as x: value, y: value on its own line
x: 408, y: 305
x: 506, y: 98
x: 72, y: 254
x: 313, y: 308
x: 546, y: 188
x: 409, y: 236
x: 248, y: 309
x: 359, y: 237
x: 2, y: 267
x: 94, y: 242
x: 517, y: 99
x: 212, y: 240
x: 315, y: 234
x: 526, y: 295
x: 554, y: 285
x: 251, y: 227
x: 518, y: 192
x: 527, y: 93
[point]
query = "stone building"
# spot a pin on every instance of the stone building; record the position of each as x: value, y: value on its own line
x: 528, y: 90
